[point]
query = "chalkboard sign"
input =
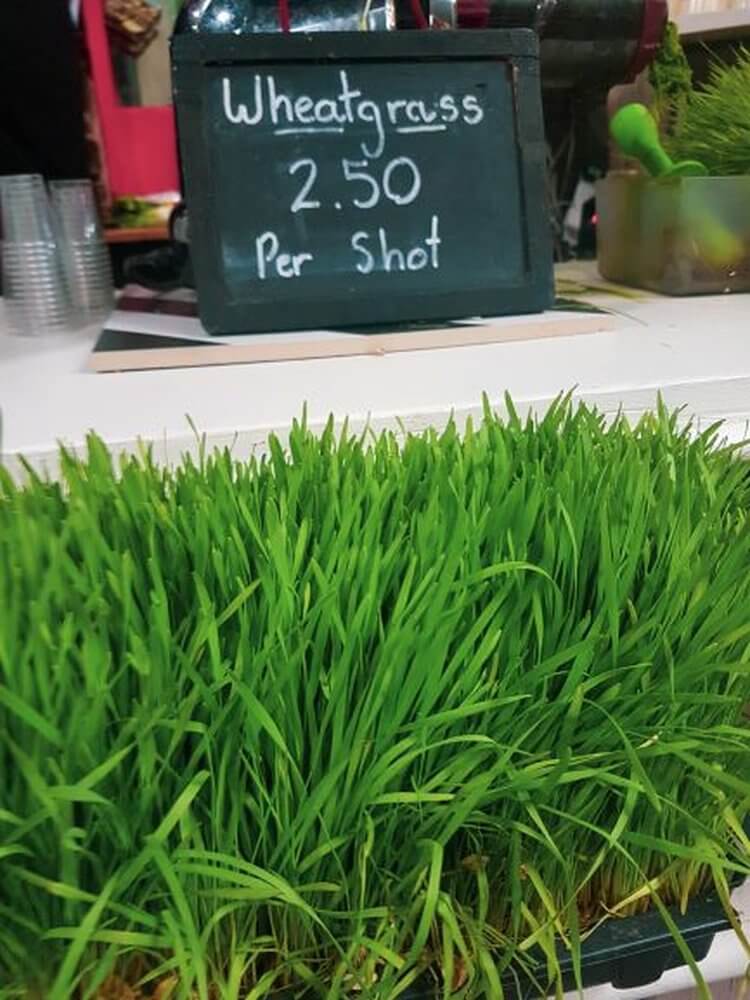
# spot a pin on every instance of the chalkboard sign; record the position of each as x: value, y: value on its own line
x: 348, y: 179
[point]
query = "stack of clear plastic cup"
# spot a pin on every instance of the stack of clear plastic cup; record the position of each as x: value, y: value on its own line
x: 86, y: 259
x: 35, y: 291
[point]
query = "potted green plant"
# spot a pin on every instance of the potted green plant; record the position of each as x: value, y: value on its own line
x: 370, y: 715
x: 683, y: 226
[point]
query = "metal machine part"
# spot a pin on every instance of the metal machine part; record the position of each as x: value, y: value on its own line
x: 444, y: 14
x: 584, y: 43
x: 241, y: 17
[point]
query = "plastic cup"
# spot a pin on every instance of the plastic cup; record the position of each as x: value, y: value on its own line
x: 34, y: 287
x: 25, y: 209
x: 85, y: 256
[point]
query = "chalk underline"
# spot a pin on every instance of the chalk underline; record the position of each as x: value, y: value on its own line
x: 308, y: 131
x: 335, y: 130
x: 406, y: 129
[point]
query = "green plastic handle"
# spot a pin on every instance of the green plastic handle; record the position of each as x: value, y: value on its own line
x: 635, y: 131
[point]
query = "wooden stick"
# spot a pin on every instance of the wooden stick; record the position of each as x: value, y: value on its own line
x: 377, y: 344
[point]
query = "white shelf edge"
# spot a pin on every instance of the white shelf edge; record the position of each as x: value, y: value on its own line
x: 714, y: 24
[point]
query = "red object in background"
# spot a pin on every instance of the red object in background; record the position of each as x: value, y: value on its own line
x: 285, y: 20
x: 420, y: 18
x: 655, y: 16
x: 140, y: 144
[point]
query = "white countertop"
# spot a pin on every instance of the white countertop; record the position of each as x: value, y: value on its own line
x: 695, y: 351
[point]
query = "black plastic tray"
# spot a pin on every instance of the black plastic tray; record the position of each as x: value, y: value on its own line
x: 628, y: 953
x: 636, y: 951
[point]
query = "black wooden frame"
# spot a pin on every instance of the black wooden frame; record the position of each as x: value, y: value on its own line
x: 196, y: 55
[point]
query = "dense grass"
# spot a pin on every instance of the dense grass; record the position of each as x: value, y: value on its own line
x: 713, y: 124
x: 367, y: 707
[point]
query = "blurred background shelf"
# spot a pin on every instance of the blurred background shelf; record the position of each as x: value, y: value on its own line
x: 126, y: 243
x: 145, y: 234
x: 716, y: 24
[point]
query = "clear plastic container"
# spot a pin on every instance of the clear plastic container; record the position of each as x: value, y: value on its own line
x: 37, y: 302
x: 85, y: 256
x: 678, y: 236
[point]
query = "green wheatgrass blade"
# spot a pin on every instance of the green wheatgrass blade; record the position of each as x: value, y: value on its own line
x: 369, y: 707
